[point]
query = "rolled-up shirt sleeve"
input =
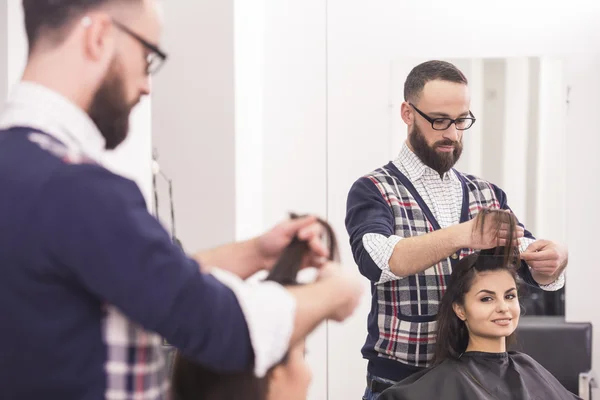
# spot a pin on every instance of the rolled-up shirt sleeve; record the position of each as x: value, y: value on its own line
x: 370, y: 225
x: 380, y: 248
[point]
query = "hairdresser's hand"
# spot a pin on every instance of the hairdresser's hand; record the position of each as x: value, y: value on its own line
x: 271, y: 244
x: 491, y: 236
x: 346, y: 289
x: 546, y: 258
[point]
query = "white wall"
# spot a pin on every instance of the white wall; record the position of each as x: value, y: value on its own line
x: 249, y: 54
x: 193, y: 121
x: 3, y: 52
x: 472, y: 158
x: 17, y: 41
x: 515, y: 135
x: 13, y: 45
x: 552, y: 144
x: 583, y: 217
x: 295, y: 131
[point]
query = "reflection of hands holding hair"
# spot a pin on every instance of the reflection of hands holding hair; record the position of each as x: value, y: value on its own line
x: 337, y: 291
x: 271, y: 244
x: 246, y: 258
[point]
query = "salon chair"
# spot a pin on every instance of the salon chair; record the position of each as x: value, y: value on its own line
x: 536, y: 301
x: 563, y: 348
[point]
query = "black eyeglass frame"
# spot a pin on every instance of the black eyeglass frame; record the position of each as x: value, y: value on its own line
x: 449, y: 121
x: 154, y: 49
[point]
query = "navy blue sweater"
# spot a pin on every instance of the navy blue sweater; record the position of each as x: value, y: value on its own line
x: 73, y: 238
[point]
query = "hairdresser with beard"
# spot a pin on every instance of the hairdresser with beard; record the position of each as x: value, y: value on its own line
x: 89, y: 280
x: 411, y: 221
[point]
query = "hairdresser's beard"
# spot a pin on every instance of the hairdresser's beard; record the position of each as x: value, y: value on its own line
x: 110, y: 109
x: 438, y: 161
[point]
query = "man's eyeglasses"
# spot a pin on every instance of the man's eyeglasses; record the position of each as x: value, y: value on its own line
x: 441, y: 124
x: 155, y: 58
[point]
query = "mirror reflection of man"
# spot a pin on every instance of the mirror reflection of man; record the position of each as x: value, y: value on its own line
x: 90, y: 281
x: 411, y: 220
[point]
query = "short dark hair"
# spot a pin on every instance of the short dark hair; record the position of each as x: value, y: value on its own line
x: 53, y: 17
x: 430, y: 71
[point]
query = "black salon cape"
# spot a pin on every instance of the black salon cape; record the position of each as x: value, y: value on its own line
x: 485, y: 376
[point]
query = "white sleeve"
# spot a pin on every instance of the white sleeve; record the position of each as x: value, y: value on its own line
x: 270, y: 311
x: 380, y: 249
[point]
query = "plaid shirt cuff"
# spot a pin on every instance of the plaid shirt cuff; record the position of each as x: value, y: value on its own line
x: 380, y: 249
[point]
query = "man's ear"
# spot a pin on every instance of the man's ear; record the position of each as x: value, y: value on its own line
x: 99, y: 41
x: 407, y: 113
x: 459, y: 311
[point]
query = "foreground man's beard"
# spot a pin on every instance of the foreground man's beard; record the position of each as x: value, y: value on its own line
x: 439, y: 162
x: 109, y: 108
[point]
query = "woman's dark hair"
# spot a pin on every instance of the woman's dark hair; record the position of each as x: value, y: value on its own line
x: 191, y: 381
x: 452, y: 333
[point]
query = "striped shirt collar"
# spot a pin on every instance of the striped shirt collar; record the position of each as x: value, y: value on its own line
x: 35, y: 106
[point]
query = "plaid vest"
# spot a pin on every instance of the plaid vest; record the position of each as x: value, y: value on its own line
x: 407, y: 307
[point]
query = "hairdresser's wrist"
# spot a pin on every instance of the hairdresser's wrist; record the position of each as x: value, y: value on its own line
x: 544, y: 279
x: 460, y: 236
x: 242, y: 258
x: 258, y: 258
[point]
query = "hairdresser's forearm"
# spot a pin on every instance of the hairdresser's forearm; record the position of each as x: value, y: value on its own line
x: 314, y: 304
x: 240, y: 258
x: 542, y: 279
x: 415, y: 254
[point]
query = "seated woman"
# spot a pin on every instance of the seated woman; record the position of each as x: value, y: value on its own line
x: 289, y: 380
x: 478, y: 315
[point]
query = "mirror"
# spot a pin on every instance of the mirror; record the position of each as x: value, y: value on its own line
x: 517, y: 143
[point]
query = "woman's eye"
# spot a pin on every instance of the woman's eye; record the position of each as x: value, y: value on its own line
x: 486, y: 299
x: 510, y: 296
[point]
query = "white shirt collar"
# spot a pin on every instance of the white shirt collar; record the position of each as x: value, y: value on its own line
x: 35, y: 106
x: 409, y: 162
